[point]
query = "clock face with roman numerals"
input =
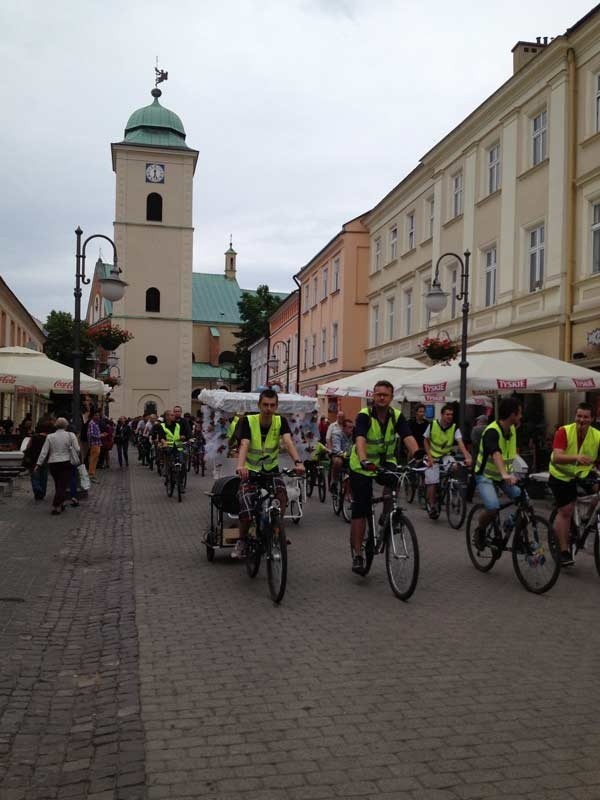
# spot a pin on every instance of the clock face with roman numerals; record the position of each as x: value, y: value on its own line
x: 155, y: 173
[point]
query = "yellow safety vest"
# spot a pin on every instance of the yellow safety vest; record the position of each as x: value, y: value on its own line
x: 441, y: 441
x: 508, y: 449
x: 381, y: 445
x: 259, y: 450
x: 231, y: 428
x: 174, y: 436
x: 589, y: 447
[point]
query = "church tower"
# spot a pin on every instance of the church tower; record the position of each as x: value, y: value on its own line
x: 154, y: 237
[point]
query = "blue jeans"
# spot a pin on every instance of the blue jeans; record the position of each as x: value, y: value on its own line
x: 488, y: 494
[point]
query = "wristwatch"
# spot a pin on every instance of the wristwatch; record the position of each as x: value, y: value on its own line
x: 297, y: 462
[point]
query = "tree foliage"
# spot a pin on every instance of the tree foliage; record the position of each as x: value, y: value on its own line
x: 60, y: 345
x: 255, y: 310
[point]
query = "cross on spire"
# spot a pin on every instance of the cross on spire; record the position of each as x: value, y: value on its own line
x: 160, y: 74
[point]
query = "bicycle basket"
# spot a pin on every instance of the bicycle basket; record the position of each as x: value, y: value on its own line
x: 462, y: 474
x: 225, y: 494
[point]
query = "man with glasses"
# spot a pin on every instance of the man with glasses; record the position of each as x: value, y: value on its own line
x: 375, y: 432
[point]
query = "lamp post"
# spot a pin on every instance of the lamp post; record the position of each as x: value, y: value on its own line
x: 273, y: 361
x: 435, y: 300
x: 112, y: 288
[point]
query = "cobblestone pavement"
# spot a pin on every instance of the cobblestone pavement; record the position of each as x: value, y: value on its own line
x: 473, y: 689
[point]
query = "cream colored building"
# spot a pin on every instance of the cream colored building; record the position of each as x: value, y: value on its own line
x: 333, y: 309
x: 517, y: 184
x: 18, y: 329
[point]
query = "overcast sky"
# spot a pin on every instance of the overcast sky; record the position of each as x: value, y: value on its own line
x: 305, y: 113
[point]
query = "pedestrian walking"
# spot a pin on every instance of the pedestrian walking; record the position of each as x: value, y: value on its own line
x: 95, y: 444
x: 122, y: 437
x: 62, y: 450
x: 39, y: 478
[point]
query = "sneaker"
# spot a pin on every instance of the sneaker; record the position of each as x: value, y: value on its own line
x: 433, y: 513
x: 239, y: 551
x: 566, y: 559
x: 358, y: 564
x: 479, y: 539
x: 94, y: 479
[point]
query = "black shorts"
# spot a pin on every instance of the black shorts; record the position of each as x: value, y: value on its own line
x: 362, y: 492
x: 564, y: 492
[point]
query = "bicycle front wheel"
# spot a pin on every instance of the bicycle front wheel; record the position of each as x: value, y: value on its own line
x: 346, y: 500
x: 402, y: 556
x: 483, y: 557
x: 322, y: 485
x: 409, y: 486
x: 310, y: 482
x: 534, y: 559
x: 597, y: 547
x: 171, y: 480
x: 196, y: 463
x: 456, y: 506
x: 181, y: 481
x: 276, y: 558
x: 253, y: 554
x: 336, y: 490
x: 296, y: 511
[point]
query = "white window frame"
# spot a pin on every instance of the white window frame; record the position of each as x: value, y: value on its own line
x: 324, y: 290
x: 493, y: 166
x: 539, y: 137
x: 536, y: 256
x: 294, y: 356
x: 336, y: 274
x: 390, y: 308
x: 410, y: 231
x: 453, y: 283
x: 306, y: 295
x: 313, y: 353
x: 305, y: 353
x: 597, y: 102
x: 393, y: 243
x: 426, y: 311
x: 490, y: 274
x: 334, y: 341
x: 315, y: 289
x: 375, y: 324
x: 457, y: 194
x: 377, y: 254
x: 408, y: 308
x: 323, y: 345
x: 596, y: 238
x: 431, y: 214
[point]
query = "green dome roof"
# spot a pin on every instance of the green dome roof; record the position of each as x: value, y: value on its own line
x: 156, y: 126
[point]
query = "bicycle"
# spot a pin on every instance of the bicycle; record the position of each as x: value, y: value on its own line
x: 295, y: 492
x: 175, y: 470
x: 414, y: 486
x: 450, y: 492
x: 198, y: 451
x: 584, y: 521
x: 316, y: 475
x: 341, y: 493
x: 533, y: 557
x: 395, y: 536
x: 267, y: 535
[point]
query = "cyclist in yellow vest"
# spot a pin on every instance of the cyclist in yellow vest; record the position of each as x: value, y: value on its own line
x: 575, y: 450
x: 260, y: 436
x: 375, y: 432
x: 439, y: 440
x: 497, y: 451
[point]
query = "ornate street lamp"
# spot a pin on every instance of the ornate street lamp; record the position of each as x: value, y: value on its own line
x: 273, y: 361
x: 112, y: 288
x: 435, y: 301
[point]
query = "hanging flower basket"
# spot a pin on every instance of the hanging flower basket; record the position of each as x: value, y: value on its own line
x: 109, y: 336
x: 439, y: 350
x: 110, y: 381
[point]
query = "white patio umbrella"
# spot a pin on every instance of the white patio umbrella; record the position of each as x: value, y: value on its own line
x: 497, y: 366
x: 26, y: 371
x: 361, y: 384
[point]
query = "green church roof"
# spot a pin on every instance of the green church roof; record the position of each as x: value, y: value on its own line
x: 155, y: 126
x: 215, y: 298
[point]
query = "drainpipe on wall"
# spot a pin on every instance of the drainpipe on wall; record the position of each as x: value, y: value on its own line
x: 571, y: 200
x: 571, y: 217
x: 299, y: 318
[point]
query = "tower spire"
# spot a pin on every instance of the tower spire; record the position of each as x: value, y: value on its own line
x: 230, y: 257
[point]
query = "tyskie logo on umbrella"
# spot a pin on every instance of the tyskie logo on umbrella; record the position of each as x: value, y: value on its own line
x: 520, y: 383
x: 8, y: 379
x: 584, y: 383
x: 434, y: 388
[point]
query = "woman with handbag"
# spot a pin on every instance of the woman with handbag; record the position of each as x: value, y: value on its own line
x: 62, y: 450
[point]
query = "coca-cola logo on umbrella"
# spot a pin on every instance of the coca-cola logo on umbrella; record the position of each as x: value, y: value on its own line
x: 62, y: 384
x: 8, y: 379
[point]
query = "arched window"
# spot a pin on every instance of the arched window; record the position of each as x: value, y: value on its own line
x: 226, y: 357
x: 152, y: 299
x: 193, y: 358
x: 154, y: 207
